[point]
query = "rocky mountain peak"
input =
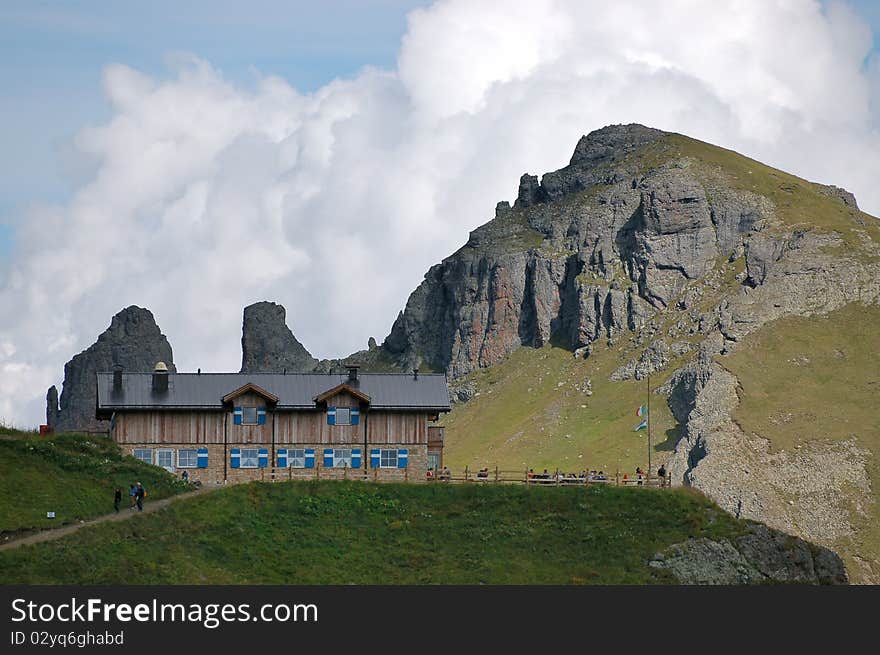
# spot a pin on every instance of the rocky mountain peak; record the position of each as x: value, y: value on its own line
x: 133, y: 341
x: 268, y: 345
x: 612, y: 142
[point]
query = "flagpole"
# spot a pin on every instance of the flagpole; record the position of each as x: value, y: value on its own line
x: 649, y: 425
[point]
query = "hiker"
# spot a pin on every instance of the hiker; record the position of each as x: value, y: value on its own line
x: 661, y: 473
x: 117, y: 498
x: 185, y: 476
x: 639, y: 473
x: 132, y: 494
x: 141, y: 492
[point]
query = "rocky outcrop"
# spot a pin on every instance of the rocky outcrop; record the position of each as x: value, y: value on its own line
x: 132, y: 341
x: 761, y: 556
x: 52, y: 407
x: 846, y: 197
x: 268, y: 345
x: 591, y: 251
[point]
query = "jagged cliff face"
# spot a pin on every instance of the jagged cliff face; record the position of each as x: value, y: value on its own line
x: 133, y: 341
x: 663, y: 255
x: 593, y: 250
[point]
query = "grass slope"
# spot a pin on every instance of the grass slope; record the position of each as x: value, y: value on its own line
x: 73, y: 475
x: 817, y: 378
x: 532, y: 412
x: 347, y: 532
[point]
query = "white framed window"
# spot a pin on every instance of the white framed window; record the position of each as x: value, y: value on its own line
x: 187, y: 458
x: 342, y: 458
x: 143, y: 454
x: 165, y: 458
x: 249, y: 415
x: 296, y: 458
x: 343, y: 416
x: 250, y: 458
x: 388, y: 458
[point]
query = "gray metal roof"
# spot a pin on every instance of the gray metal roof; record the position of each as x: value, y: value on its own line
x: 294, y: 390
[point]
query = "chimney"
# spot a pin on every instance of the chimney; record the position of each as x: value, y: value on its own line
x: 117, y: 378
x: 353, y: 373
x: 160, y: 378
x: 415, y: 374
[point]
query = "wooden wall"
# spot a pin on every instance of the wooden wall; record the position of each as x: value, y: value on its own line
x: 290, y: 427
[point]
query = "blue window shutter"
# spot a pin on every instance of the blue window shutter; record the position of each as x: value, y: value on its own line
x: 355, y: 458
x: 281, y: 457
x: 263, y: 458
x: 261, y: 416
x: 328, y: 458
x: 374, y: 458
x: 237, y: 416
x: 402, y: 457
x: 235, y: 458
x: 355, y: 416
x: 310, y: 458
x: 203, y: 458
x: 331, y: 416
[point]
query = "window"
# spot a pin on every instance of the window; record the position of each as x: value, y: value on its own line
x: 249, y: 415
x: 388, y: 459
x: 250, y: 458
x: 296, y: 458
x: 165, y: 458
x: 187, y: 459
x: 434, y: 461
x: 342, y: 458
x: 144, y: 454
x: 343, y: 416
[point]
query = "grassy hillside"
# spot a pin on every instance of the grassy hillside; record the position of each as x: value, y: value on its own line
x: 817, y: 379
x: 73, y: 475
x: 532, y: 411
x: 347, y: 532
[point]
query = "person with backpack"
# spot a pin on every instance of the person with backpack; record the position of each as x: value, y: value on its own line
x: 132, y: 495
x: 139, y: 496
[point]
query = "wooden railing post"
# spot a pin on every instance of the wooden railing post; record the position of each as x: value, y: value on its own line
x: 465, y: 473
x: 496, y: 473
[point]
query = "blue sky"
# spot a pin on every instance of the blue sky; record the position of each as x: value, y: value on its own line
x: 52, y: 54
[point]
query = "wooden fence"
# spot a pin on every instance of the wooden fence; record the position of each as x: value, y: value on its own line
x: 467, y: 476
x: 555, y: 479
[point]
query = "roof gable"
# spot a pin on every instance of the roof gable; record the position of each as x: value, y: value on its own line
x: 340, y: 388
x: 252, y: 388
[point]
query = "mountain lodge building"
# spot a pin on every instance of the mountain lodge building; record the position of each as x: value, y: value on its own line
x: 235, y: 427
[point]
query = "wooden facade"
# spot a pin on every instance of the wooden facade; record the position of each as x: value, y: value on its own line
x: 282, y: 426
x: 220, y: 431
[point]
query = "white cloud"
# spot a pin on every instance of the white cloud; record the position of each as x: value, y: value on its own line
x: 207, y: 196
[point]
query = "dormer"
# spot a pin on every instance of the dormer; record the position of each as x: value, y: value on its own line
x: 249, y: 403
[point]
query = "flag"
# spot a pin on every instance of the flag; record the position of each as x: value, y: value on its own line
x: 642, y: 411
x: 642, y: 425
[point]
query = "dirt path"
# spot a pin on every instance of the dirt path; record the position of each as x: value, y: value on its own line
x: 124, y: 514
